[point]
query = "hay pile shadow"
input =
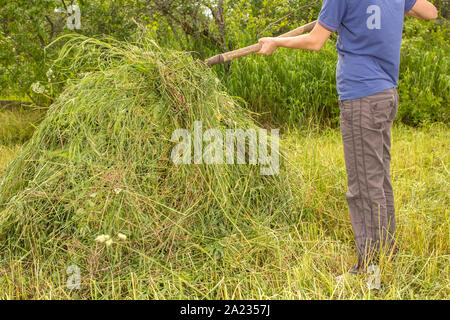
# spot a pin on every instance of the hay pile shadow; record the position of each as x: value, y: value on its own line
x: 100, y: 162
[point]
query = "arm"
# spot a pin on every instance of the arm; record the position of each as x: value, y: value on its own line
x: 313, y: 41
x: 424, y: 10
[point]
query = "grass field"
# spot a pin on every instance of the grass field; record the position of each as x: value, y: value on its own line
x: 300, y: 261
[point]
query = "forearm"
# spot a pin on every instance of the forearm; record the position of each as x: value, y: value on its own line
x: 304, y: 42
x: 312, y: 41
x: 423, y: 10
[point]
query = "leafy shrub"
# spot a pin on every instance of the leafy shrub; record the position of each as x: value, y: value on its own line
x: 424, y: 74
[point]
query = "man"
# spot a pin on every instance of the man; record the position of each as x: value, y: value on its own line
x: 370, y: 34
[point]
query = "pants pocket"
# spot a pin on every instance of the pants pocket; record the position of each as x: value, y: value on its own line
x: 346, y: 110
x: 383, y: 111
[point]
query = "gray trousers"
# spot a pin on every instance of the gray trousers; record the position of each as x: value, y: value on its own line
x: 366, y: 133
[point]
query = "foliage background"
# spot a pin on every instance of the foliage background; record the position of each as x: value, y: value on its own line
x: 307, y: 93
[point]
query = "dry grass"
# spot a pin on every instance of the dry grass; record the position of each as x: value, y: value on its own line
x: 421, y: 181
x: 6, y: 155
x: 17, y: 125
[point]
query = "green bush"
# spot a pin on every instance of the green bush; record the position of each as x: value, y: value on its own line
x: 424, y: 74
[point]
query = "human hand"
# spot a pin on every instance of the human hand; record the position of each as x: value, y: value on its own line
x: 268, y: 45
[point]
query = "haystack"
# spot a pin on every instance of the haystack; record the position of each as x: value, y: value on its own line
x: 100, y: 163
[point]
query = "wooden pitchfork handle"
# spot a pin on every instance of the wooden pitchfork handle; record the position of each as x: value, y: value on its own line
x: 228, y: 56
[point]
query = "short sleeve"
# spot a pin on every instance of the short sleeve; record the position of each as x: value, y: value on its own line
x: 409, y: 4
x: 332, y: 13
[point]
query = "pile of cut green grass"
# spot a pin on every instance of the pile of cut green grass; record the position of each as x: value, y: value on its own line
x: 100, y: 164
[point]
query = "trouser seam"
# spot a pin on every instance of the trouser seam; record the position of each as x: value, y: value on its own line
x: 369, y: 200
x: 357, y: 175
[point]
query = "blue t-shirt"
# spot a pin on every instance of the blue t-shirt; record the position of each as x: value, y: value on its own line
x: 370, y: 35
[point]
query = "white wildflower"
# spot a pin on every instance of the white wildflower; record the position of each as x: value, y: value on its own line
x: 109, y: 242
x: 102, y: 238
x: 117, y: 190
x: 121, y: 236
x: 37, y: 87
x: 50, y: 75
